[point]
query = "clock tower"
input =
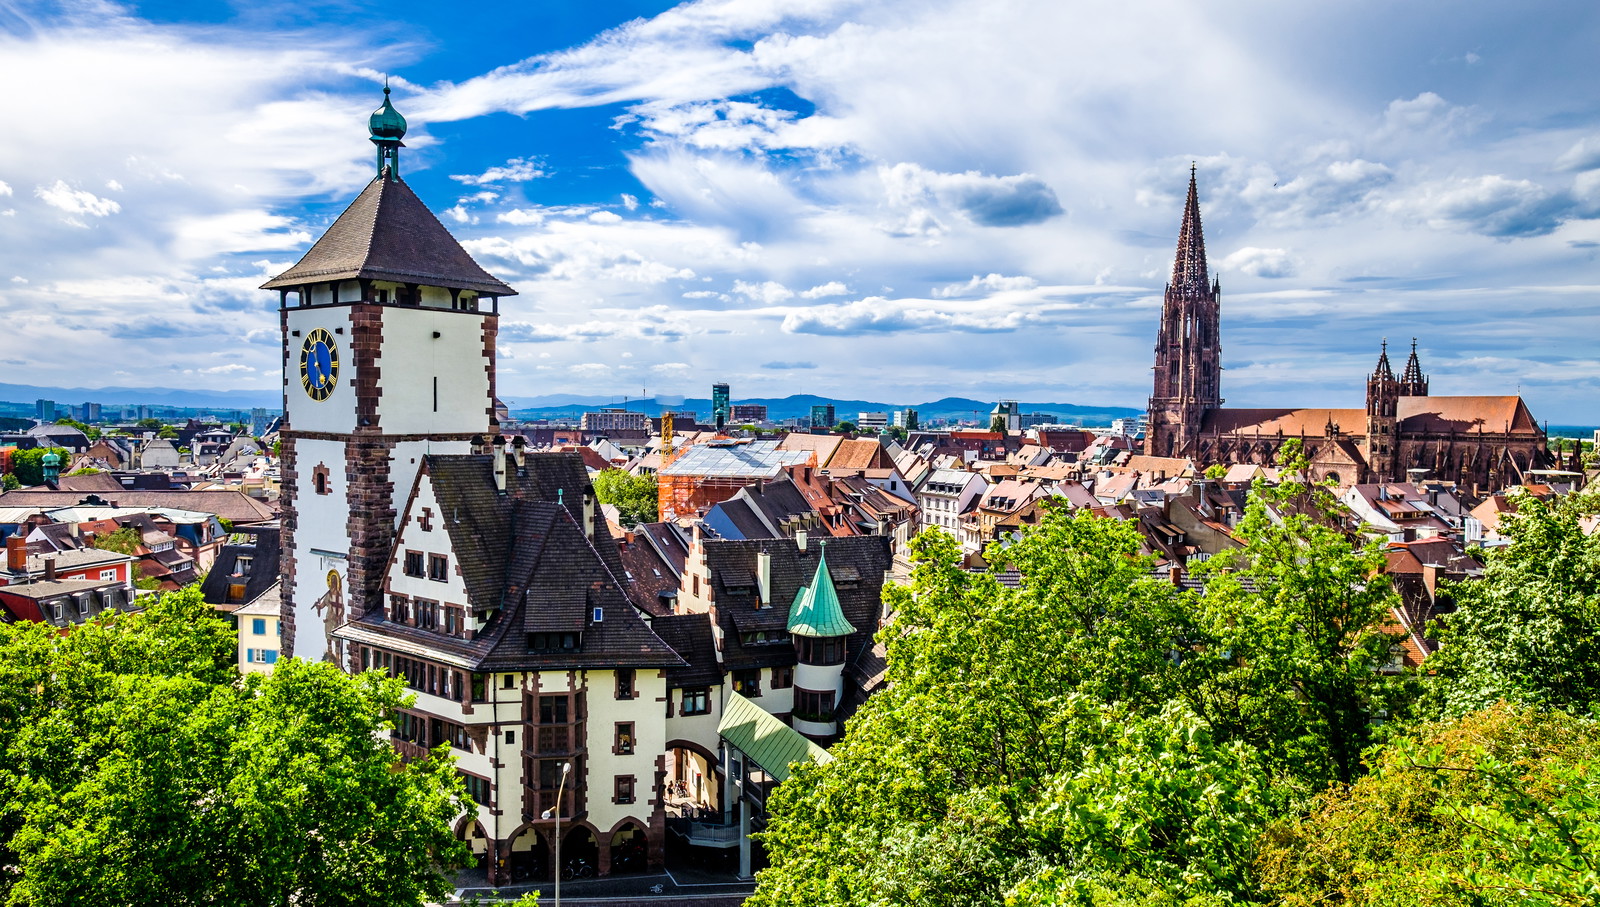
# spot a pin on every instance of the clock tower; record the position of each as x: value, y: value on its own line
x: 388, y: 355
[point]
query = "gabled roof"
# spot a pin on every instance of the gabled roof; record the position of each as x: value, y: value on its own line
x: 387, y: 233
x: 690, y: 636
x: 768, y: 742
x: 1490, y: 415
x: 816, y: 610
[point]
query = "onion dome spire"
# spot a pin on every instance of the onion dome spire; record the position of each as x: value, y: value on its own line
x: 388, y: 127
x: 1189, y: 266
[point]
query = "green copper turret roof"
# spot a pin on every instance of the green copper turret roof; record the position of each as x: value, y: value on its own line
x: 816, y: 610
x: 386, y: 122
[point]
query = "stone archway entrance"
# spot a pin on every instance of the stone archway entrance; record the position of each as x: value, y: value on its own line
x: 528, y: 857
x: 580, y: 854
x: 630, y: 850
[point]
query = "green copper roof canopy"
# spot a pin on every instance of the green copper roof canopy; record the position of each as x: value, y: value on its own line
x: 387, y: 127
x: 816, y: 610
x: 768, y: 742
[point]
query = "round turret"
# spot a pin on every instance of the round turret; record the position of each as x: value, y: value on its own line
x: 386, y: 122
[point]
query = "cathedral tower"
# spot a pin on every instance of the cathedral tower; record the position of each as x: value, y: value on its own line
x: 1413, y: 383
x: 388, y: 354
x: 1188, y: 368
x: 1383, y: 421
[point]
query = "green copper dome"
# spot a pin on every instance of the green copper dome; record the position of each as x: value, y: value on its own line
x: 386, y: 122
x: 50, y: 459
x: 816, y: 610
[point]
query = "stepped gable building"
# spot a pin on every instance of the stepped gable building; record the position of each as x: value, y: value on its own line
x: 1482, y: 442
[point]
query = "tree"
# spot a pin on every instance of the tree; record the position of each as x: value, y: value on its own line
x: 138, y: 768
x: 1292, y: 633
x: 150, y: 424
x: 1030, y: 742
x: 28, y: 465
x: 634, y: 496
x: 85, y: 471
x: 1216, y: 471
x: 89, y: 431
x: 10, y: 482
x: 845, y: 427
x: 998, y: 424
x: 167, y: 432
x: 1498, y: 807
x: 1529, y: 630
x: 126, y: 540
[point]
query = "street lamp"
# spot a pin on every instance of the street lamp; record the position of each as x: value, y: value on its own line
x: 566, y: 767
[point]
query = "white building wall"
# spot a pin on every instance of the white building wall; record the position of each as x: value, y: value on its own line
x: 413, y: 363
x: 321, y: 541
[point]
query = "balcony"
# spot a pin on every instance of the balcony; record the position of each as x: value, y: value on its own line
x: 535, y: 801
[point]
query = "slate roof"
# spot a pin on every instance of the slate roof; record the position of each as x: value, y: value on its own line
x: 261, y: 545
x: 690, y: 636
x: 387, y: 233
x: 860, y: 600
x: 524, y: 557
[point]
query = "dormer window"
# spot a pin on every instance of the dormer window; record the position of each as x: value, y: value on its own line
x: 553, y: 642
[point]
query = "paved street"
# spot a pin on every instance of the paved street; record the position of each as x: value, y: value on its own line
x: 689, y: 887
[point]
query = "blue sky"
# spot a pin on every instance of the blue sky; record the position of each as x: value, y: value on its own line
x: 875, y: 199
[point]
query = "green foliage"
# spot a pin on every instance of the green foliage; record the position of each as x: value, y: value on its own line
x: 138, y: 768
x: 1293, y: 625
x: 124, y: 541
x: 845, y: 427
x: 634, y: 496
x: 1529, y: 631
x: 150, y: 424
x: 168, y: 432
x: 28, y: 467
x: 998, y: 423
x: 85, y: 471
x: 1499, y: 807
x: 1216, y: 471
x: 10, y: 482
x: 89, y: 431
x: 1030, y: 742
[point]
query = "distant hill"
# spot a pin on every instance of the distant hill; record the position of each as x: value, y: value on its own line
x: 798, y: 406
x: 130, y: 396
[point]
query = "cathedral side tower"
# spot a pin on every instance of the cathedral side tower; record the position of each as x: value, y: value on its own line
x: 1413, y: 383
x: 1188, y: 369
x: 388, y: 354
x: 1383, y: 422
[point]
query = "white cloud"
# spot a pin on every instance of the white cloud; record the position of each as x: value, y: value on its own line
x: 823, y: 290
x: 232, y: 368
x: 768, y: 292
x: 516, y: 170
x: 986, y: 284
x: 1273, y: 263
x: 1583, y: 155
x: 1492, y: 205
x: 76, y: 201
x: 5, y: 188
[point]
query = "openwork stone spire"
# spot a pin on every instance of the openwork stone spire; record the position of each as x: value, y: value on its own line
x: 1189, y: 267
x: 1413, y: 383
x: 1383, y: 370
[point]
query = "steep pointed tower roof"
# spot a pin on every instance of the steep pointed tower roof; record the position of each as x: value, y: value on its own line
x: 816, y: 611
x: 1413, y: 383
x: 387, y: 233
x: 1189, y: 266
x: 1383, y: 370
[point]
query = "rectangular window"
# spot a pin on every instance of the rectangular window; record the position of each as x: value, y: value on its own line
x: 397, y: 609
x: 696, y: 702
x: 108, y: 574
x: 549, y: 773
x: 241, y: 566
x: 413, y: 566
x: 451, y: 625
x: 747, y: 682
x: 623, y: 745
x: 479, y: 693
x: 624, y: 789
x: 813, y: 706
x: 625, y: 683
x: 554, y: 709
x: 782, y: 678
x: 438, y: 567
x: 427, y: 614
x: 258, y: 626
x: 511, y: 737
x: 479, y: 789
x: 510, y: 681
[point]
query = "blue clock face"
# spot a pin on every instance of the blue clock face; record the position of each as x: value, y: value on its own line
x: 319, y: 364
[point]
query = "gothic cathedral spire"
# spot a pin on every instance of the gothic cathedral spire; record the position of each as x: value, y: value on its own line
x: 1188, y: 369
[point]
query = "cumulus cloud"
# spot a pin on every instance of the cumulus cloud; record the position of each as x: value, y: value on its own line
x: 877, y: 315
x: 1584, y: 155
x: 986, y: 284
x: 76, y: 201
x: 823, y: 290
x: 5, y: 188
x: 768, y: 292
x: 986, y: 200
x: 516, y: 170
x: 1427, y: 114
x: 1493, y: 205
x: 1262, y: 262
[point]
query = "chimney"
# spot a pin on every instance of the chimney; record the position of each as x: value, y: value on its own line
x: 1176, y: 574
x: 800, y: 540
x: 519, y: 452
x: 500, y: 463
x: 50, y: 569
x: 17, y: 554
x: 764, y: 577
